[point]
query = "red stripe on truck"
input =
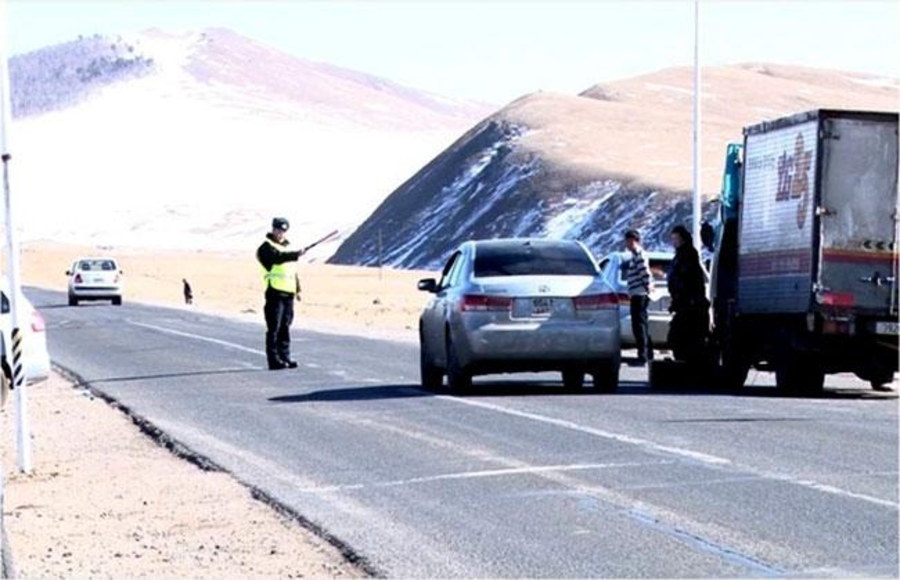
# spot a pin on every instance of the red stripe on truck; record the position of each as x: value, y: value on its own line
x: 859, y: 257
x: 778, y: 263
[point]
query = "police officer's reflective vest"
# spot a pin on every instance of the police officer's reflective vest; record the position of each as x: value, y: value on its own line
x: 282, y: 277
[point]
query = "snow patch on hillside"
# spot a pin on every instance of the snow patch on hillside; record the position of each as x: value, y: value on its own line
x: 573, y: 212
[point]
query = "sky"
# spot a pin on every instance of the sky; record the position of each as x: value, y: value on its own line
x: 498, y: 50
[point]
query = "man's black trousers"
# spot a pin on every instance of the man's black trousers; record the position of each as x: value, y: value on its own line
x: 279, y: 312
x: 640, y: 327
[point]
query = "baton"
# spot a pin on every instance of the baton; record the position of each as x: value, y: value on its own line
x: 321, y: 240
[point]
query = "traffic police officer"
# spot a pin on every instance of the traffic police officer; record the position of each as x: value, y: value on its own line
x: 279, y: 265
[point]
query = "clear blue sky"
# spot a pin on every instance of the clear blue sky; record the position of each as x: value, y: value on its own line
x: 497, y: 50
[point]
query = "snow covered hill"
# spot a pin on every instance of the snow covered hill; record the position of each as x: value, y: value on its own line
x: 588, y: 167
x: 206, y: 137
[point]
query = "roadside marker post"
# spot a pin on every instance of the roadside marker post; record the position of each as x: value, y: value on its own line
x: 14, y: 350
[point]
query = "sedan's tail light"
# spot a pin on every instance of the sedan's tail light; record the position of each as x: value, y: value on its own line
x: 37, y: 322
x: 116, y: 280
x: 78, y: 279
x: 472, y: 303
x: 596, y: 302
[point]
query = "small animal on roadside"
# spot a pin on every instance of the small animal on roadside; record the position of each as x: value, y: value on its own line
x: 188, y: 292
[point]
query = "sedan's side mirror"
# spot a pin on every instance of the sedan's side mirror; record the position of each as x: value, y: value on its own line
x: 428, y: 285
x: 68, y: 272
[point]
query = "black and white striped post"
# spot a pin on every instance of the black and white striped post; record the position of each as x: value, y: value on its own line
x: 13, y: 351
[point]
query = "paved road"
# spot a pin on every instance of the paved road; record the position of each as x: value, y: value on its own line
x: 520, y: 480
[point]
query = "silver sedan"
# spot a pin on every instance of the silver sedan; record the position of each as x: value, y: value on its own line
x: 520, y: 305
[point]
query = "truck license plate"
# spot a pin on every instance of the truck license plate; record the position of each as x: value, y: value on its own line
x: 541, y: 307
x: 887, y: 328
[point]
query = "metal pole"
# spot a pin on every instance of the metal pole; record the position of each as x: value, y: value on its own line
x: 23, y: 433
x: 697, y: 209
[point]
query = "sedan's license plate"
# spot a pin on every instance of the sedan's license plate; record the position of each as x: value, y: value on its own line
x: 887, y: 328
x: 541, y: 307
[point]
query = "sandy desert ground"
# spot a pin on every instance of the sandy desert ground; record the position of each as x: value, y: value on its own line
x: 339, y: 299
x: 110, y: 503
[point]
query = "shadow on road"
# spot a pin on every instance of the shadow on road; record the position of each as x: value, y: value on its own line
x: 59, y: 305
x: 368, y: 393
x: 512, y: 388
x: 162, y: 376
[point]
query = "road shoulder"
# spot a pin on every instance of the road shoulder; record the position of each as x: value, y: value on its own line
x: 106, y: 501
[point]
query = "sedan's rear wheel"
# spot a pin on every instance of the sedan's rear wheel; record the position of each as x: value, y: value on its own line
x: 458, y: 378
x: 73, y: 301
x: 117, y: 301
x: 431, y: 376
x: 606, y: 377
x: 573, y: 380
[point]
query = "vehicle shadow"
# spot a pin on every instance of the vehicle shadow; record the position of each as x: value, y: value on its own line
x: 59, y: 305
x: 486, y: 388
x: 512, y: 388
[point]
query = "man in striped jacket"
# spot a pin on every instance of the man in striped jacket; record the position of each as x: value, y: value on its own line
x: 640, y: 283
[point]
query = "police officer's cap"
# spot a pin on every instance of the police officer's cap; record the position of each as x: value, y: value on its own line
x: 280, y: 223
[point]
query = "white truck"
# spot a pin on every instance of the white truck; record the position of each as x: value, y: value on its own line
x: 806, y: 262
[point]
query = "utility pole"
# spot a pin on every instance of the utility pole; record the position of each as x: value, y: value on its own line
x: 13, y: 351
x: 697, y: 202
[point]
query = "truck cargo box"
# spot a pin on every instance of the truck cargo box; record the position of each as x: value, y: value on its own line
x: 818, y: 218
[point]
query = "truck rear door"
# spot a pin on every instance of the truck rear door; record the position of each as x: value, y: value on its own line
x: 858, y: 219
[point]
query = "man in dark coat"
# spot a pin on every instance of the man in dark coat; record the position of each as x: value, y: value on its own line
x: 689, y: 329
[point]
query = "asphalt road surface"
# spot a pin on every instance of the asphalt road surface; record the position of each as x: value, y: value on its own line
x: 520, y: 479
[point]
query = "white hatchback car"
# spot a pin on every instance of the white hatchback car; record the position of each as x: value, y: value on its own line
x: 35, y: 358
x: 95, y: 279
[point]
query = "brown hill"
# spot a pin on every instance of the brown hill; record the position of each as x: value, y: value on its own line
x: 644, y: 125
x: 586, y: 167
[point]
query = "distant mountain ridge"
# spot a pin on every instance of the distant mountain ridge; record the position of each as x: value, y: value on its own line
x: 196, y: 139
x: 588, y: 167
x: 63, y: 75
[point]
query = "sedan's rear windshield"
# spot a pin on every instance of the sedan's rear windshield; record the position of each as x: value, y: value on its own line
x: 97, y: 266
x: 532, y: 260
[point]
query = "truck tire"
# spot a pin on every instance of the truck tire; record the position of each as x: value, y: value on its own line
x: 797, y: 375
x: 573, y: 380
x: 459, y: 380
x: 735, y: 366
x: 605, y: 376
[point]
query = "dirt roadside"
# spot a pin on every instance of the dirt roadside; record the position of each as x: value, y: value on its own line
x: 104, y: 500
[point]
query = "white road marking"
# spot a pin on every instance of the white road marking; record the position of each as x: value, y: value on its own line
x: 712, y: 460
x: 530, y: 470
x: 646, y: 444
x: 695, y: 455
x: 174, y: 332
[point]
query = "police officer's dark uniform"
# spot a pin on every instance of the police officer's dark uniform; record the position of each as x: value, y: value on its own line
x: 279, y: 265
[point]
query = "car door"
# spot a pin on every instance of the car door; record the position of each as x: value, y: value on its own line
x: 434, y: 315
